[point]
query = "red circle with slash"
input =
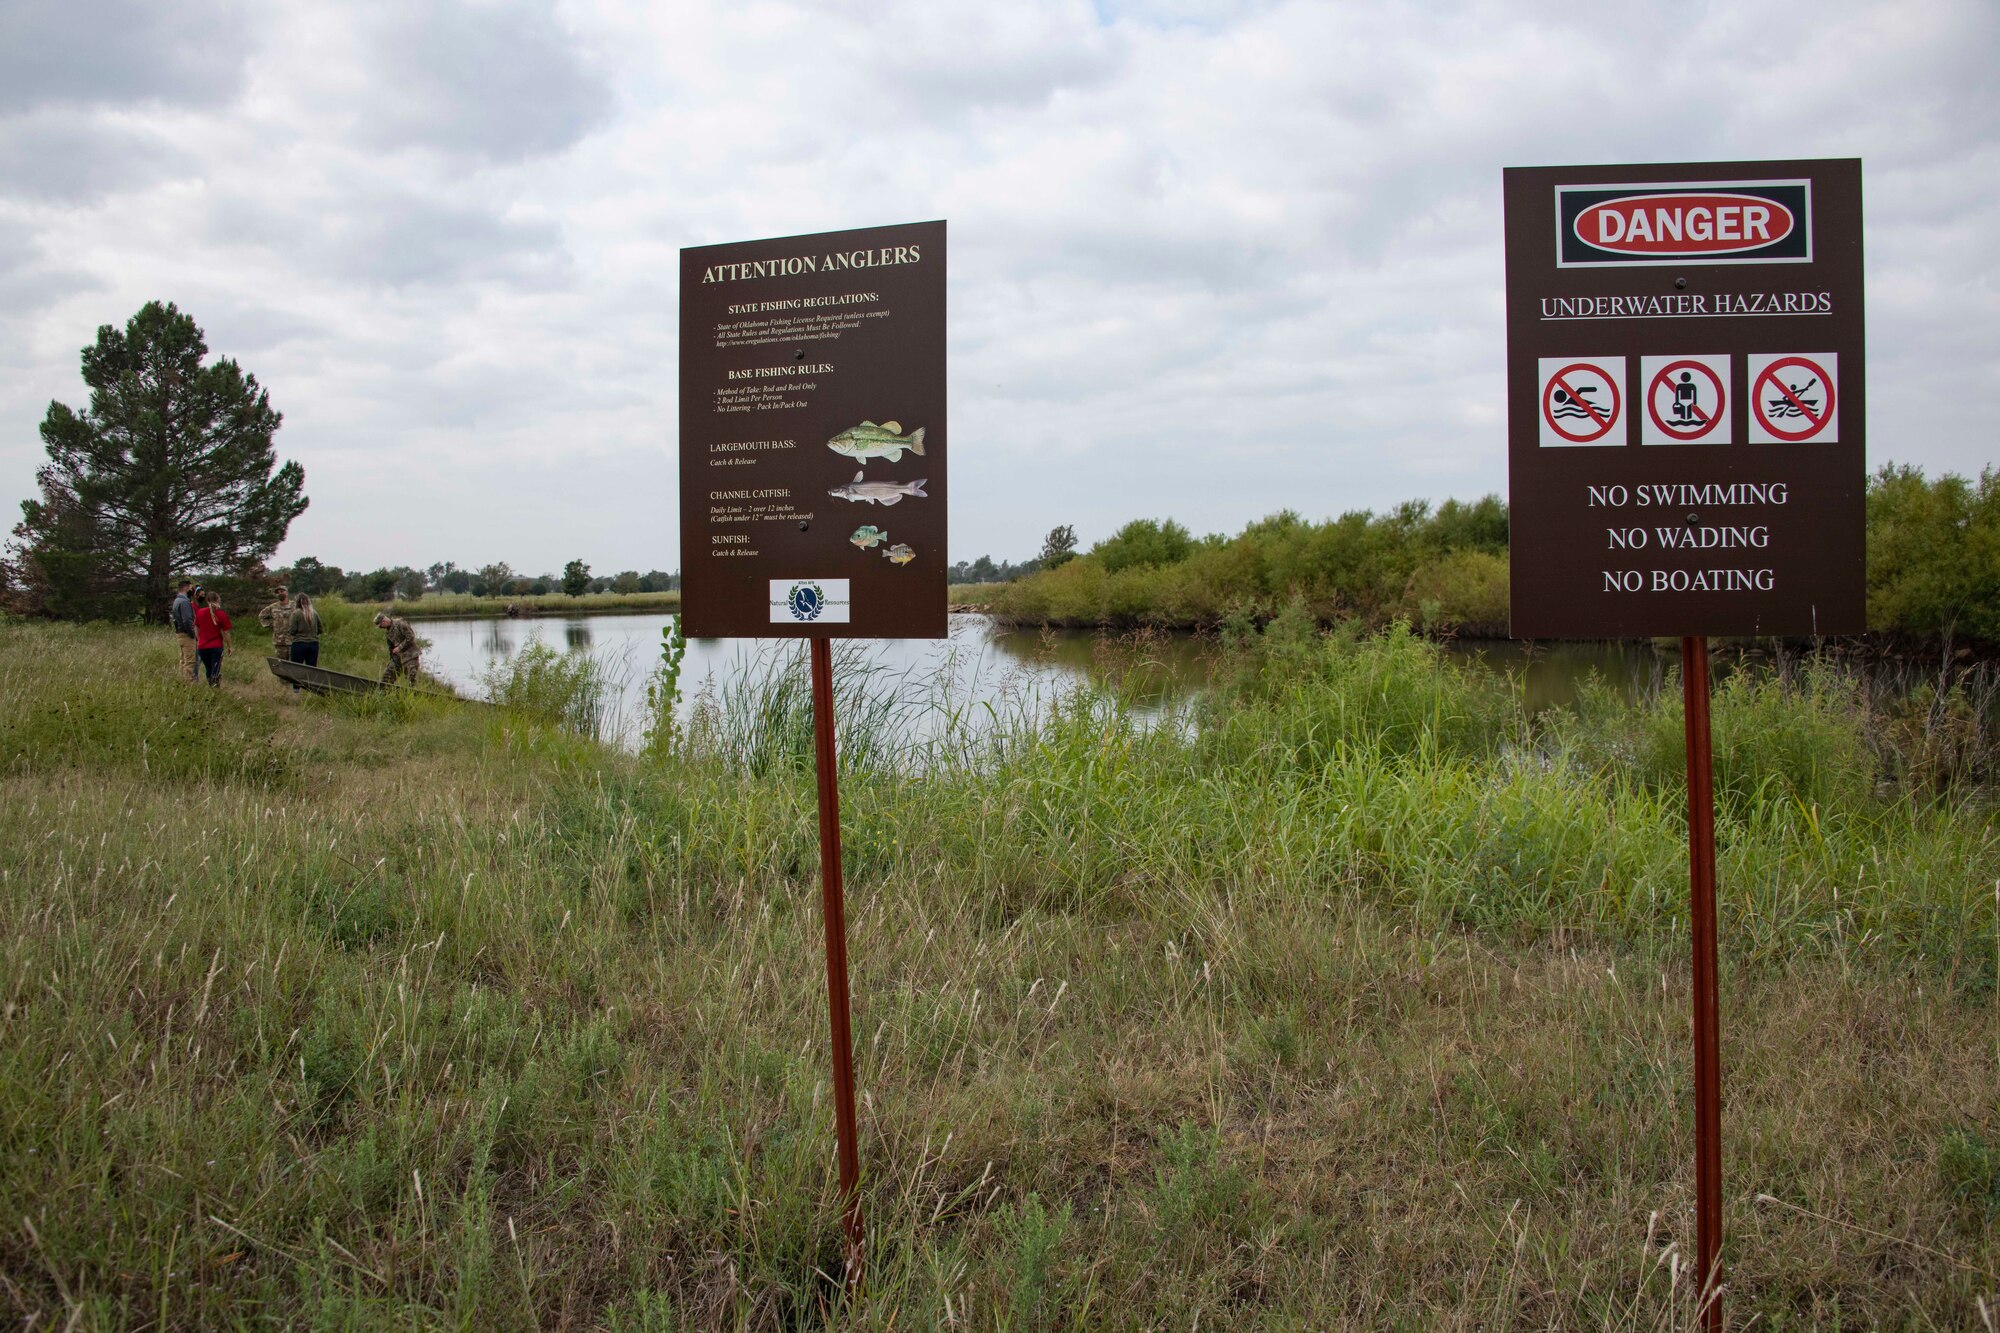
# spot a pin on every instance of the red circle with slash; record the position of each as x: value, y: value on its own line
x: 1708, y: 423
x: 1770, y: 375
x: 1610, y: 414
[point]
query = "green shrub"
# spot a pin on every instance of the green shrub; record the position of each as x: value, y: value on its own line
x: 1391, y: 694
x: 1794, y: 737
x: 571, y: 690
x: 1934, y: 554
x: 1969, y: 1170
x: 1465, y: 591
x: 1142, y: 543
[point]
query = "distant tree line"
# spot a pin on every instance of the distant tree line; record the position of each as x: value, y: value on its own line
x: 985, y: 570
x: 392, y: 582
x: 1059, y: 546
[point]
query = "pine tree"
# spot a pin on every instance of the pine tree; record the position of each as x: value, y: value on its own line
x: 169, y: 471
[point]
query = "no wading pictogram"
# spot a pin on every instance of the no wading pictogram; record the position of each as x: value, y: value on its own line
x: 1687, y: 400
x: 1793, y: 399
x: 1581, y: 402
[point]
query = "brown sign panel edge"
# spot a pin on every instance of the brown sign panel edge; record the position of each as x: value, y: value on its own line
x: 1631, y: 515
x: 810, y: 506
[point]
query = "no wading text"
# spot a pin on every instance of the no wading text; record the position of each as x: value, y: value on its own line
x: 1686, y: 529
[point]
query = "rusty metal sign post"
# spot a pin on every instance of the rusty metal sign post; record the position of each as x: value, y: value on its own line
x: 1685, y: 456
x: 812, y: 477
x: 1707, y: 1000
x: 833, y: 910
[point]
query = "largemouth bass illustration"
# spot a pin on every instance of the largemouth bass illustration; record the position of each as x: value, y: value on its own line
x: 868, y: 535
x: 879, y: 492
x: 869, y: 440
x: 900, y: 554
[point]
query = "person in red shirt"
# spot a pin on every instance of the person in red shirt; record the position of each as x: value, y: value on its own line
x: 211, y: 636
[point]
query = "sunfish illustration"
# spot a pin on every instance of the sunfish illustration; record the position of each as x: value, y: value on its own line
x: 879, y: 492
x: 869, y: 440
x: 868, y: 535
x: 900, y: 554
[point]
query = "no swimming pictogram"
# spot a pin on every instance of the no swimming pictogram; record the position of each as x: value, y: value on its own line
x: 1581, y: 402
x: 1687, y: 399
x: 1793, y: 399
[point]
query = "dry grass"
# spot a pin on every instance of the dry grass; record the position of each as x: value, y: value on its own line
x: 455, y: 1020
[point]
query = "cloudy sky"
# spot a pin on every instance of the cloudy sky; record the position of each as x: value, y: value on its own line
x: 1208, y: 259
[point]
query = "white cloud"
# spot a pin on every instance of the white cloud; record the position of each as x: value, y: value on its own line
x: 1208, y: 260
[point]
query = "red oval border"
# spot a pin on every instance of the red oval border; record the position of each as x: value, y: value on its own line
x: 1576, y: 225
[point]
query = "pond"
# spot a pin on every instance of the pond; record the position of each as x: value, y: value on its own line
x: 982, y: 663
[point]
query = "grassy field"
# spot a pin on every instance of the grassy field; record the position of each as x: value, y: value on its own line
x: 434, y: 605
x: 1355, y: 1003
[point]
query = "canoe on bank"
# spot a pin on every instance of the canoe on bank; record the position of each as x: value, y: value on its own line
x: 321, y: 681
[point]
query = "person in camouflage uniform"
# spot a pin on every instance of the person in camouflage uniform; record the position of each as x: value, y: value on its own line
x: 403, y: 648
x: 277, y: 617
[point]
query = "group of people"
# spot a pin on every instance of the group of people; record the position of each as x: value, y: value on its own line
x: 203, y: 629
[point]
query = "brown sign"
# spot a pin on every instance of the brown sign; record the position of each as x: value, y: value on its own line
x: 813, y: 436
x: 1685, y: 399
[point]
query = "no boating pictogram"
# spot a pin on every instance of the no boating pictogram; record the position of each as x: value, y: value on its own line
x: 1793, y: 399
x: 1687, y: 400
x: 1581, y: 402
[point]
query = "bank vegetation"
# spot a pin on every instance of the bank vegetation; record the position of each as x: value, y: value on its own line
x: 1933, y: 568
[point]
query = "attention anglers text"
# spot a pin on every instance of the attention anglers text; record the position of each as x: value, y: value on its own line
x: 833, y: 262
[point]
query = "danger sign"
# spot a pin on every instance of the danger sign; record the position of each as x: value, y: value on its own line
x: 1655, y: 307
x: 1687, y: 399
x: 1581, y: 401
x: 1793, y: 399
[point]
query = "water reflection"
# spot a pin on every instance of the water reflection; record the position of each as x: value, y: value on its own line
x: 984, y: 669
x: 1553, y: 675
x: 1150, y: 668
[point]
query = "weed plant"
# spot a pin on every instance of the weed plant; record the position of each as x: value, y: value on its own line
x: 578, y: 692
x: 1356, y: 1001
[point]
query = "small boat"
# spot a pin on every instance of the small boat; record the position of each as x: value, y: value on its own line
x: 321, y: 681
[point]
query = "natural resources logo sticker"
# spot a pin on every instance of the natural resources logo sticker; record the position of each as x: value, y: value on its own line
x: 809, y: 601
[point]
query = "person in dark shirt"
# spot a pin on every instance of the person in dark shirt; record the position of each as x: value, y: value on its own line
x: 182, y: 617
x: 304, y: 632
